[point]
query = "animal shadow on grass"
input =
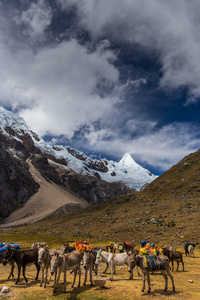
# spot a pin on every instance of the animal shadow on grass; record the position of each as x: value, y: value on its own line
x: 22, y: 284
x: 72, y: 295
x: 155, y: 292
x: 125, y: 279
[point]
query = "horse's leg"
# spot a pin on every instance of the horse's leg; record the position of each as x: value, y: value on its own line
x: 96, y: 269
x: 42, y: 277
x: 114, y: 271
x: 79, y: 272
x: 86, y: 269
x: 45, y: 279
x: 23, y: 271
x: 170, y: 276
x: 182, y: 264
x: 166, y: 279
x: 143, y: 279
x: 75, y: 272
x: 65, y: 280
x: 55, y: 275
x: 138, y: 271
x: 38, y: 270
x: 177, y: 265
x: 148, y: 280
x: 111, y: 269
x: 91, y: 276
x: 12, y: 269
x: 19, y: 271
x: 107, y: 265
x: 58, y: 278
x: 49, y: 278
x: 131, y: 275
x: 172, y: 265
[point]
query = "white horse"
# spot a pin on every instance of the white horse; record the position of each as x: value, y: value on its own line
x: 113, y: 259
x: 102, y: 256
x: 191, y: 250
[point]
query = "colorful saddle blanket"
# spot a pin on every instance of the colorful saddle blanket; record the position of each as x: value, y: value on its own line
x: 153, y: 262
x: 4, y: 247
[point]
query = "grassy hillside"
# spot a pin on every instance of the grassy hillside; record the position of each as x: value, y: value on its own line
x: 133, y: 217
x: 166, y: 211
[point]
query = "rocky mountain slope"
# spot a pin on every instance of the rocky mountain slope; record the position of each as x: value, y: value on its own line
x: 91, y: 180
x: 166, y: 211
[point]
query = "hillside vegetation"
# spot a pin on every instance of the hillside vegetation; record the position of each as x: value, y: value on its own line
x: 166, y: 211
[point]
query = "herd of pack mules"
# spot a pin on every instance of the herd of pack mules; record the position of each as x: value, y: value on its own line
x: 67, y: 258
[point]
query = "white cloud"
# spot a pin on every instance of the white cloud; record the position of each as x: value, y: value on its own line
x: 57, y: 85
x: 168, y: 28
x: 36, y: 18
x: 161, y: 148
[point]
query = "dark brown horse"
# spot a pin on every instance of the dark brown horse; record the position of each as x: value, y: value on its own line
x: 174, y: 256
x: 22, y: 258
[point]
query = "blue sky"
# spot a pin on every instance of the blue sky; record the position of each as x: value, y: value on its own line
x: 105, y: 77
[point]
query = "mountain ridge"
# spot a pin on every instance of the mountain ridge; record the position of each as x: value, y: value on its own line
x: 126, y: 170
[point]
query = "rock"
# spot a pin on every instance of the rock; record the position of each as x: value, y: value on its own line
x: 190, y: 281
x: 5, y: 290
x: 99, y: 282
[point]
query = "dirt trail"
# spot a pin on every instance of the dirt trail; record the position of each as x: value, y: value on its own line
x: 48, y: 198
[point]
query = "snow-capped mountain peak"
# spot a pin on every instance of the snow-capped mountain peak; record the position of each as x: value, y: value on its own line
x: 127, y: 160
x: 126, y: 170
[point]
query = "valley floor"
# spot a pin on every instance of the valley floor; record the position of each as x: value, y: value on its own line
x: 120, y: 288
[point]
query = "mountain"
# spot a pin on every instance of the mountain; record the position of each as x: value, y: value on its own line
x: 92, y: 180
x: 165, y: 212
x: 181, y: 181
x: 126, y: 171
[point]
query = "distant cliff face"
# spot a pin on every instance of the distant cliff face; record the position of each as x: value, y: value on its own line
x: 16, y: 182
x: 90, y: 188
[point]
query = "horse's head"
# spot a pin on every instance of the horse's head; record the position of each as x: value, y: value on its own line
x: 41, y: 254
x: 98, y: 257
x: 86, y: 259
x: 132, y: 262
x: 55, y: 262
x: 8, y: 255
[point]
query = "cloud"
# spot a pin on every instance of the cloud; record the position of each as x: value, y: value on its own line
x: 160, y: 149
x: 58, y: 86
x: 169, y: 29
x: 35, y: 19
